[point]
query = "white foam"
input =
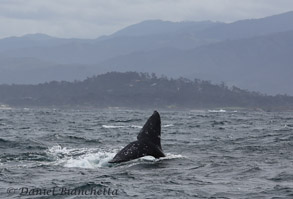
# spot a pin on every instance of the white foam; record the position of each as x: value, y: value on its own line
x: 80, y: 157
x: 5, y: 107
x: 130, y: 126
x: 217, y: 111
x: 112, y: 126
x: 90, y: 161
x: 136, y: 126
x: 168, y: 125
x: 148, y: 158
x: 119, y: 126
x: 151, y: 159
x: 58, y: 150
x: 170, y: 156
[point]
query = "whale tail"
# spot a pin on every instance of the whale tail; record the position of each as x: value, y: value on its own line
x: 148, y: 142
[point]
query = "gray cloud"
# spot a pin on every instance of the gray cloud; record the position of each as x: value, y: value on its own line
x: 93, y: 18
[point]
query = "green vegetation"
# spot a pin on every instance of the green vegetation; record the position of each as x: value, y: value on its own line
x: 138, y: 90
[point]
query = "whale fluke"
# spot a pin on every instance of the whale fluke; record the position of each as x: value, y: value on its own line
x: 148, y: 142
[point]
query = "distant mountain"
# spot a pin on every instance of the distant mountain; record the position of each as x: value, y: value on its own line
x: 139, y: 90
x: 249, y: 28
x: 32, y: 41
x: 248, y: 53
x: 75, y: 51
x: 159, y: 27
x: 262, y: 63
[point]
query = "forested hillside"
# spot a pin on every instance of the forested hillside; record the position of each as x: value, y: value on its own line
x: 140, y: 90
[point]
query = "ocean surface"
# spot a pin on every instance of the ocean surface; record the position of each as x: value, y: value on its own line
x: 56, y: 153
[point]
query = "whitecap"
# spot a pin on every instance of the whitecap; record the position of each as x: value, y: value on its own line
x: 170, y: 156
x: 168, y: 125
x: 136, y: 126
x: 112, y: 126
x: 5, y: 107
x: 217, y: 111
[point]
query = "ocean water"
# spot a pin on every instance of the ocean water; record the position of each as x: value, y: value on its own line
x: 56, y: 153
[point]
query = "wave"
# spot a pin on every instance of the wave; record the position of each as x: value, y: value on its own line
x: 147, y: 161
x: 3, y: 140
x: 112, y: 126
x: 170, y: 156
x: 136, y: 126
x: 5, y: 107
x: 130, y: 126
x: 5, y: 144
x: 168, y: 125
x: 125, y: 121
x: 281, y: 177
x: 59, y: 151
x: 217, y: 111
x: 81, y: 139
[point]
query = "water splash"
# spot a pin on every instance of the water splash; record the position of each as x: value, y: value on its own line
x: 80, y: 157
x: 93, y: 158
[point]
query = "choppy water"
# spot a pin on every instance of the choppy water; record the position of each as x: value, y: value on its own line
x: 210, y: 154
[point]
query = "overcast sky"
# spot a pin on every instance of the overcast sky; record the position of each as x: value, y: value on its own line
x: 93, y: 18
